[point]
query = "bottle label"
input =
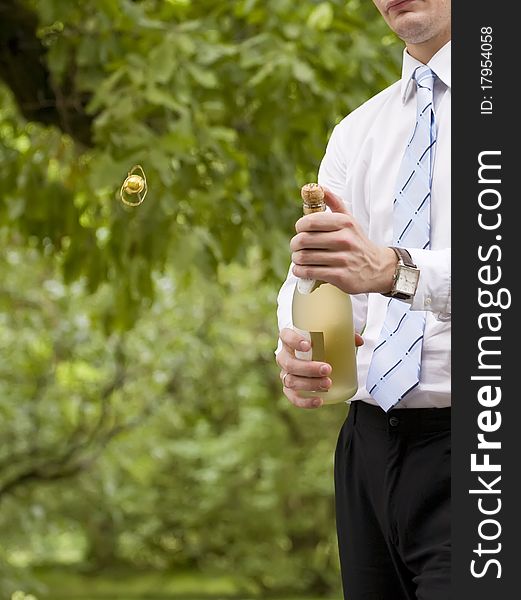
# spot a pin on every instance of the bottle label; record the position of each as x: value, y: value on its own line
x: 317, y: 346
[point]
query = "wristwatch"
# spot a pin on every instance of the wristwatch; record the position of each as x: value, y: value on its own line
x: 406, y: 276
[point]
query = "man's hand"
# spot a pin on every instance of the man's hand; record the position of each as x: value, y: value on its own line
x: 331, y: 247
x: 302, y: 375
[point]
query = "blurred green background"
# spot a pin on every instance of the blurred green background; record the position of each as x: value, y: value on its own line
x: 146, y: 450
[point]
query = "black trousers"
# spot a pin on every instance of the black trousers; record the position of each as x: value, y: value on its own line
x: 392, y: 492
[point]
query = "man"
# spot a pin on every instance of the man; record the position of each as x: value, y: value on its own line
x: 387, y: 175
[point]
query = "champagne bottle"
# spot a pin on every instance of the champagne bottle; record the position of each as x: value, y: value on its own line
x: 323, y: 314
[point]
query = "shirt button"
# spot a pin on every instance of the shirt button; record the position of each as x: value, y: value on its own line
x: 394, y: 421
x: 428, y: 301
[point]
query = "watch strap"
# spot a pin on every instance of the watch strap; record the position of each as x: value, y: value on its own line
x: 404, y: 258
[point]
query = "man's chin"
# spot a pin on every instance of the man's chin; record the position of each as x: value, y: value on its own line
x: 411, y: 28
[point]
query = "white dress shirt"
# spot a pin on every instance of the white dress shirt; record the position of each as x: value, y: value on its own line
x: 361, y: 165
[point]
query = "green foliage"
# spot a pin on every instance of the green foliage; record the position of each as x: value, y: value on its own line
x: 141, y: 417
x: 19, y: 595
x: 226, y: 105
x: 208, y: 466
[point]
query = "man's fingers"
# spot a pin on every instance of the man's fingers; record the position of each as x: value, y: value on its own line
x: 322, y: 221
x: 316, y: 240
x: 317, y: 257
x: 336, y: 218
x: 293, y: 340
x: 299, y: 401
x: 327, y: 274
x: 303, y: 368
x: 335, y: 203
x: 306, y: 384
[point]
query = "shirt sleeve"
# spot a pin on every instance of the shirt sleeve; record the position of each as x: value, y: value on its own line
x: 332, y: 174
x: 434, y: 286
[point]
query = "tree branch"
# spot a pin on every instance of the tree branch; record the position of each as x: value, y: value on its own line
x: 80, y: 456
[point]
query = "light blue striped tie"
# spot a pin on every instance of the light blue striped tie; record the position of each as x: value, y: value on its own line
x: 395, y: 366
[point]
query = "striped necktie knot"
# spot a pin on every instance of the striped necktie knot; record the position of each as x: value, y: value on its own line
x: 424, y: 77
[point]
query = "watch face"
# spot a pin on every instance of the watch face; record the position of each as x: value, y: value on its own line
x: 407, y: 281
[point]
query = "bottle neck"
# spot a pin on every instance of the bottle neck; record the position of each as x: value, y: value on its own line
x: 308, y: 209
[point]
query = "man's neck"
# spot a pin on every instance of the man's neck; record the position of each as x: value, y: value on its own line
x: 426, y: 50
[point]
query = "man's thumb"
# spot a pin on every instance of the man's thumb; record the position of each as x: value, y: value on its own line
x: 334, y: 202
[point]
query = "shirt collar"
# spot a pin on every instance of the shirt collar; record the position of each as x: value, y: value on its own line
x: 439, y: 63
